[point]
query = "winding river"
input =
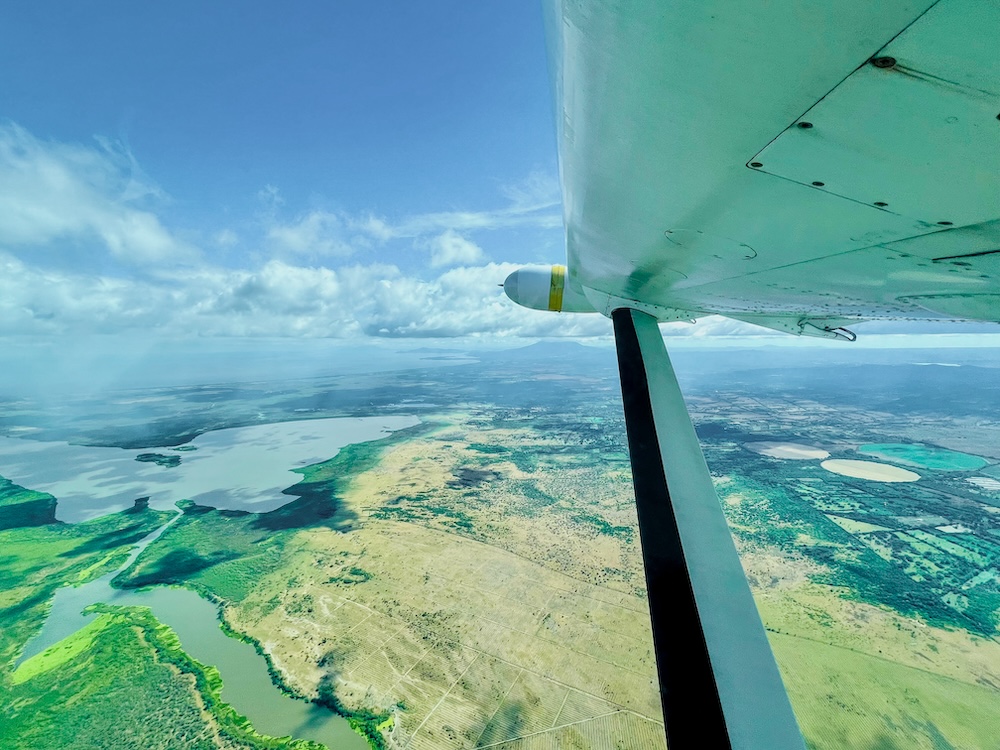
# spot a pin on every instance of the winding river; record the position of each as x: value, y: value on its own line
x: 247, y: 686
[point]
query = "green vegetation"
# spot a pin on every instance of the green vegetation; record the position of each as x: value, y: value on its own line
x: 846, y: 699
x: 123, y: 681
x: 926, y: 551
x: 601, y: 525
x: 880, y: 567
x: 351, y: 576
x: 423, y: 508
x: 356, y: 458
x: 59, y: 654
x: 222, y: 553
x: 366, y: 723
x: 495, y: 450
x: 530, y: 490
x: 20, y: 507
x: 36, y: 560
x: 525, y: 460
x: 103, y: 688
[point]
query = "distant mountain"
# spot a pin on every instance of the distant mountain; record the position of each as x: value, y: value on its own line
x: 433, y: 350
x: 553, y: 353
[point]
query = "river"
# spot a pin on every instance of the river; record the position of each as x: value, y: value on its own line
x: 247, y: 685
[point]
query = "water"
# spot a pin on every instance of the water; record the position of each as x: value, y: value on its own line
x: 247, y: 686
x: 241, y: 468
x: 924, y: 456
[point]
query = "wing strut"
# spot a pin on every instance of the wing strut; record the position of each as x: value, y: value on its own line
x: 719, y: 683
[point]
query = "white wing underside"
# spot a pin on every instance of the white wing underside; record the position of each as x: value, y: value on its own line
x: 692, y: 186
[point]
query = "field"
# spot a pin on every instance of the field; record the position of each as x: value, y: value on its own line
x: 880, y: 598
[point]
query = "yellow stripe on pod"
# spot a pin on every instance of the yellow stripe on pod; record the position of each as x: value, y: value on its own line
x: 557, y: 283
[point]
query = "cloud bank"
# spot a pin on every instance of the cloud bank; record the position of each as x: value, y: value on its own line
x: 83, y: 250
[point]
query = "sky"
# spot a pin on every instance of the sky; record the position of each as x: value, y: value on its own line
x: 306, y: 169
x: 348, y: 170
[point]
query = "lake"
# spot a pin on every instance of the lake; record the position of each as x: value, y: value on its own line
x: 240, y: 468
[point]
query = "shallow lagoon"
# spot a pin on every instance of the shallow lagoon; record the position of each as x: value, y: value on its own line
x: 241, y: 468
x: 923, y: 456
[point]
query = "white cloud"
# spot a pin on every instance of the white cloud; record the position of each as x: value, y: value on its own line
x: 466, y: 302
x: 452, y: 249
x: 80, y: 206
x: 270, y: 198
x: 313, y: 235
x: 226, y: 238
x: 277, y: 299
x: 533, y: 202
x: 70, y: 203
x: 325, y: 233
x: 53, y: 192
x: 540, y: 190
x: 39, y: 302
x: 468, y: 221
x: 372, y: 226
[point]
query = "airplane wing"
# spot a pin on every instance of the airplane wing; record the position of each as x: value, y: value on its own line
x: 793, y: 164
x: 769, y: 160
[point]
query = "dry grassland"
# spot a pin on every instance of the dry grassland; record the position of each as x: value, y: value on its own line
x: 487, y: 605
x: 536, y: 639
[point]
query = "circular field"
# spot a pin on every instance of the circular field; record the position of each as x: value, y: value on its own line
x: 869, y: 470
x: 795, y: 451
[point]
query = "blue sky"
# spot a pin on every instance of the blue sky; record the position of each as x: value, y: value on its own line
x: 410, y: 106
x: 318, y: 169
